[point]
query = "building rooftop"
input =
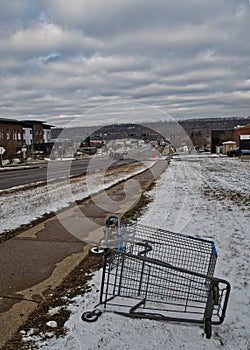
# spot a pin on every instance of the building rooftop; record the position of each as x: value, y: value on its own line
x: 25, y: 122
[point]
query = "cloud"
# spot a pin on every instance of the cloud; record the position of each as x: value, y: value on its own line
x: 61, y: 59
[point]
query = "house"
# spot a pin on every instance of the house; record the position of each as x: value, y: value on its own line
x: 228, y: 146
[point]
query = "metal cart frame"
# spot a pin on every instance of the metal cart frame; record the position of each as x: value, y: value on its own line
x: 156, y: 274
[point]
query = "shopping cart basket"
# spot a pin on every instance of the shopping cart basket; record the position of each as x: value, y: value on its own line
x: 153, y: 273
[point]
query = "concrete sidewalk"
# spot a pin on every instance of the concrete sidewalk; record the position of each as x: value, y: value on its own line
x: 37, y: 260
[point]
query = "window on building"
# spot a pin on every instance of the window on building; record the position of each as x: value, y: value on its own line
x: 7, y: 134
x: 14, y: 135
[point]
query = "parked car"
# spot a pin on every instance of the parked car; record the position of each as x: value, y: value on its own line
x: 233, y: 152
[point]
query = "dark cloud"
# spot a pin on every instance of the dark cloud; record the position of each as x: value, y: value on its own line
x: 60, y: 59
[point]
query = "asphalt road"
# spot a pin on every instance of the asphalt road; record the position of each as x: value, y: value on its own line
x: 31, y: 174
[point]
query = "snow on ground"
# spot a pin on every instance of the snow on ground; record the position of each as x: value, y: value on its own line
x: 209, y: 198
x: 21, y: 205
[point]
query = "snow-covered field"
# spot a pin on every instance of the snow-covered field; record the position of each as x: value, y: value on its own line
x: 208, y: 197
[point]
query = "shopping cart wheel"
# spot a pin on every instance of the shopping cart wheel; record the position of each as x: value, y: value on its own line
x: 208, y: 328
x: 95, y: 251
x: 91, y: 316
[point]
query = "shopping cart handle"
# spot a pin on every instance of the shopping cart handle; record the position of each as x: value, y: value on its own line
x: 147, y: 249
x: 110, y: 221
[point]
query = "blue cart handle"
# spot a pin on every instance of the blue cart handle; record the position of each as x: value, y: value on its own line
x: 109, y: 220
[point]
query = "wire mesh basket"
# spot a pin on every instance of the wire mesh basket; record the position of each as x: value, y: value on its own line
x: 153, y: 273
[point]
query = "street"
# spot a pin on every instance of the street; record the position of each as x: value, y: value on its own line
x: 36, y: 173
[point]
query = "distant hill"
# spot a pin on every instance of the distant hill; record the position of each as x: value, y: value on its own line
x: 203, y: 125
x: 208, y: 124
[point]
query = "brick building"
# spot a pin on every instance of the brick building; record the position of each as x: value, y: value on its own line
x: 11, y: 136
x: 218, y: 137
x: 243, y: 130
x: 15, y: 135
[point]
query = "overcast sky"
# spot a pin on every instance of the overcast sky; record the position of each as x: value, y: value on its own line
x: 59, y: 59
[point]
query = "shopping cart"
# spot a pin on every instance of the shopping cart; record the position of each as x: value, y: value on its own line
x: 153, y: 273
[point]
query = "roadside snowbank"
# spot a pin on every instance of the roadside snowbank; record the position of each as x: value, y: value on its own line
x: 21, y: 205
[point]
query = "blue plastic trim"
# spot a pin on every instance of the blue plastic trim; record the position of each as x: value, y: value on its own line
x: 109, y: 219
x: 206, y: 240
